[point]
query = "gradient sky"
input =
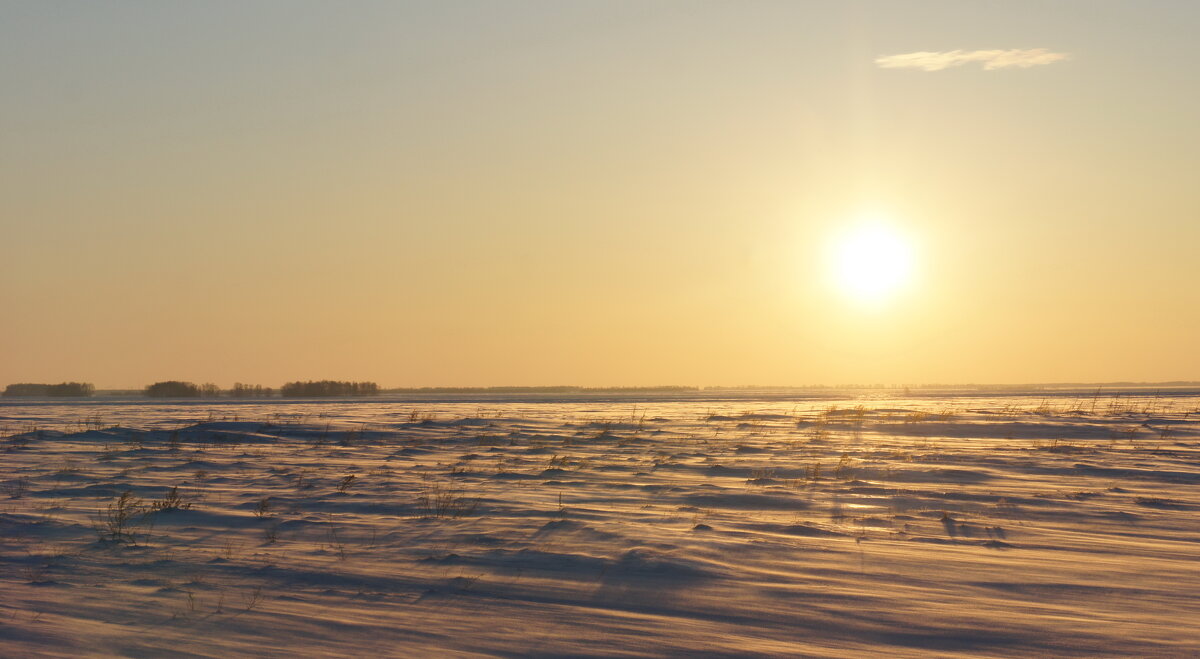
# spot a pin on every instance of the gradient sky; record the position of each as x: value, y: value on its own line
x: 595, y: 193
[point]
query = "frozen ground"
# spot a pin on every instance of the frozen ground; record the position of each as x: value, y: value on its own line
x: 953, y: 526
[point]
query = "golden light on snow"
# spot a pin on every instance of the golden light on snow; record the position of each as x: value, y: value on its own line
x: 871, y: 261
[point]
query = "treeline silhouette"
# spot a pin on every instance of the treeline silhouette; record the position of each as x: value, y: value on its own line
x: 240, y: 390
x: 177, y: 389
x: 315, y: 389
x: 182, y: 389
x: 321, y: 388
x: 29, y: 389
x: 311, y: 389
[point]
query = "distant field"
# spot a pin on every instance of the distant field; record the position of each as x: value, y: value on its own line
x: 683, y: 523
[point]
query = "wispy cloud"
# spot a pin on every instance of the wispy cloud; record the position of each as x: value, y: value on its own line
x: 990, y: 59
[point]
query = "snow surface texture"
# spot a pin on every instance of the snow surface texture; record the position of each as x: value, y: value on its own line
x: 952, y: 526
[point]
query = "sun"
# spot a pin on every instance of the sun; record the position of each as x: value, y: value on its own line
x: 871, y: 262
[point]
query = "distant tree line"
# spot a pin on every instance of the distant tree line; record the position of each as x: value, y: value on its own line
x: 177, y: 389
x: 240, y: 390
x: 310, y: 389
x: 322, y: 388
x: 31, y: 390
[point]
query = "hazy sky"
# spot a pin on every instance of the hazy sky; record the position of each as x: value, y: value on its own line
x: 596, y: 193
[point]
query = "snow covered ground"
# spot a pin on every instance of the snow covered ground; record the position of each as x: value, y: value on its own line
x: 735, y: 525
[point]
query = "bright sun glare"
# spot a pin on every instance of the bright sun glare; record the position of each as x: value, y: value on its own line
x: 871, y: 262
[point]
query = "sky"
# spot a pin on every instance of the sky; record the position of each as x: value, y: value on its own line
x: 598, y: 193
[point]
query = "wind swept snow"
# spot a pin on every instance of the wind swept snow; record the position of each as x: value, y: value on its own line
x: 745, y: 526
